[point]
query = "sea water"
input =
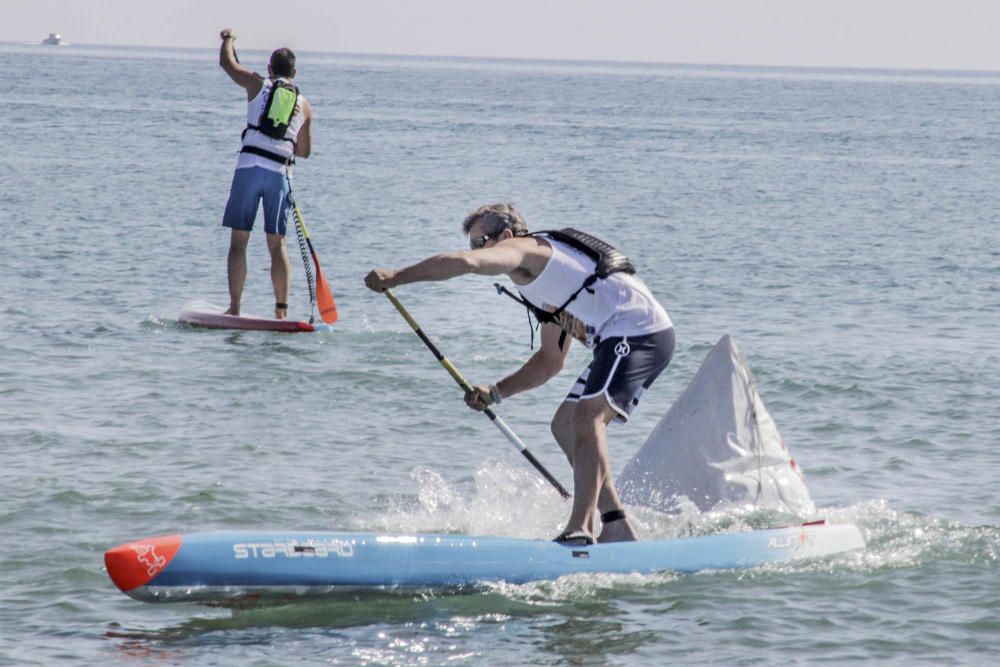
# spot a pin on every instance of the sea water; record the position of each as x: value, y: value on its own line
x: 841, y: 225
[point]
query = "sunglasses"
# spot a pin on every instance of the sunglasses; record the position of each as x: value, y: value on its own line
x: 480, y: 241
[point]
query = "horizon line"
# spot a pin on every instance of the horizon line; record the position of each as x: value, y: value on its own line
x: 539, y: 59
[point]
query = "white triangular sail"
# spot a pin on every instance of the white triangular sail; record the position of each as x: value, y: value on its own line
x: 717, y: 444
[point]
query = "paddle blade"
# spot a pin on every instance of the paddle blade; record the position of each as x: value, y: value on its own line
x: 324, y: 297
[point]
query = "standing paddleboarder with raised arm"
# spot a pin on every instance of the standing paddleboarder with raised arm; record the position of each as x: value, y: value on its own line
x: 278, y: 130
x: 579, y: 287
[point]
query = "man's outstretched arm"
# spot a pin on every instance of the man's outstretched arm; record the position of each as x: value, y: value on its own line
x: 501, y: 258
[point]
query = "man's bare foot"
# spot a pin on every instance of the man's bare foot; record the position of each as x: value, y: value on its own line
x: 232, y: 311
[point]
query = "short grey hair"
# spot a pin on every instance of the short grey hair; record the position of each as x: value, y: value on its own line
x: 496, y: 218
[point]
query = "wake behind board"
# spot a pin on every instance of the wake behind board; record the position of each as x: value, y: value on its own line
x: 239, y: 567
x: 211, y: 316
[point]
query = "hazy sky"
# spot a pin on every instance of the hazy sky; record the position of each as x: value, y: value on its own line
x: 940, y: 34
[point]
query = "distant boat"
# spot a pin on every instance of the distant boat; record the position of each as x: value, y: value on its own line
x: 54, y: 39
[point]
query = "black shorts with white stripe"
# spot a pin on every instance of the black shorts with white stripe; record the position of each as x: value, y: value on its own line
x: 623, y: 368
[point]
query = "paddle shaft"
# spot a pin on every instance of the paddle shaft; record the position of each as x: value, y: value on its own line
x: 464, y: 384
x: 324, y: 297
x: 304, y: 248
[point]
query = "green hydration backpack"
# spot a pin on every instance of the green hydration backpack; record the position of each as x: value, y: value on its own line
x: 278, y: 112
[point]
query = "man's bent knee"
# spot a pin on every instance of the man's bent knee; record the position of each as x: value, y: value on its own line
x: 562, y: 420
x: 593, y: 409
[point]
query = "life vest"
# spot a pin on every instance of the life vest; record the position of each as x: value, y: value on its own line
x: 607, y: 260
x: 275, y: 117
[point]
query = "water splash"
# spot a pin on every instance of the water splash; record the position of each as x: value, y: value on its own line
x: 505, y: 500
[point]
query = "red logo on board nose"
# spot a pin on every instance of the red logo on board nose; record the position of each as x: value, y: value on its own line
x: 146, y: 554
x: 137, y: 563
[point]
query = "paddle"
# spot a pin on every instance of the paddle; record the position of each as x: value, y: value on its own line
x: 464, y: 384
x: 327, y: 307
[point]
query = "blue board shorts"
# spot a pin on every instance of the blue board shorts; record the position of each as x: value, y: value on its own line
x: 623, y: 368
x: 251, y: 185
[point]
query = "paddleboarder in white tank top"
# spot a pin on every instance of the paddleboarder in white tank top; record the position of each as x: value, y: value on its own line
x: 615, y: 315
x: 261, y: 169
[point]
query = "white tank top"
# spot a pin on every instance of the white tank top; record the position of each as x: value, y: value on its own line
x: 621, y: 304
x: 261, y: 140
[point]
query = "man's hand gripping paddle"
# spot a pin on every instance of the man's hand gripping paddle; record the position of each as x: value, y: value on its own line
x: 464, y: 384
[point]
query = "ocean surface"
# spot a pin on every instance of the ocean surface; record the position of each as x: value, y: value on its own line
x: 841, y: 225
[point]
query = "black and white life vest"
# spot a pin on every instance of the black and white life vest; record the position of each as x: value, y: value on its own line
x: 607, y: 261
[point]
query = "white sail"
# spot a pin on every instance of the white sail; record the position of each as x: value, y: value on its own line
x: 717, y: 444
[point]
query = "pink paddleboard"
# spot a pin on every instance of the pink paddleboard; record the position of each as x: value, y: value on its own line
x: 211, y: 316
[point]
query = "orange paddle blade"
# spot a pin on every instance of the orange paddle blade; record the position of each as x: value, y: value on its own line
x: 324, y: 297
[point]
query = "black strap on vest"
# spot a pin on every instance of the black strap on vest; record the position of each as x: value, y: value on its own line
x: 257, y: 127
x: 263, y: 152
x: 541, y: 315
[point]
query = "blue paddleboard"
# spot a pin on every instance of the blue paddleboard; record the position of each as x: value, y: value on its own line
x: 227, y: 568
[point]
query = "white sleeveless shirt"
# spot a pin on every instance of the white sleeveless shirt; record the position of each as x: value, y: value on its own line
x: 621, y: 304
x: 261, y: 140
